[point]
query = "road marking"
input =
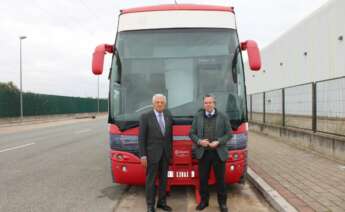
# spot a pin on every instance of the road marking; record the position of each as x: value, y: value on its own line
x: 82, y: 131
x: 16, y: 147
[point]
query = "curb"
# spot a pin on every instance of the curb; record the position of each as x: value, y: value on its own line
x: 270, y: 194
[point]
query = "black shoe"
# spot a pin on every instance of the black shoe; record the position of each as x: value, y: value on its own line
x: 150, y: 209
x: 223, y: 208
x: 202, y: 205
x: 164, y: 206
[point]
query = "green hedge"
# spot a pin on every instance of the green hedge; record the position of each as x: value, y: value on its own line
x: 42, y: 104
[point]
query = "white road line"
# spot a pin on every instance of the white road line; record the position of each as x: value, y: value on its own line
x: 82, y: 131
x: 16, y: 147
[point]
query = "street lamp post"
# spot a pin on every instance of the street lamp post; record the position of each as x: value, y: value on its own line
x: 21, y: 76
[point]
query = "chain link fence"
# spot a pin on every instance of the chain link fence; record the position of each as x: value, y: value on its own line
x: 318, y: 106
x: 273, y: 107
x: 330, y: 106
x: 257, y: 107
x: 298, y: 106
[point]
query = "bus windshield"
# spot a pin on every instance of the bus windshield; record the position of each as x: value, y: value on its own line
x: 182, y: 64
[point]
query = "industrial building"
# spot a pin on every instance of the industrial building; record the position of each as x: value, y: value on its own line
x: 313, y: 50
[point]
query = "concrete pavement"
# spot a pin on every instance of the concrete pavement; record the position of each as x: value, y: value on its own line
x: 306, y: 180
x: 240, y: 199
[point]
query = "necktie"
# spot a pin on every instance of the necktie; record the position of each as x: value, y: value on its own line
x: 161, y: 122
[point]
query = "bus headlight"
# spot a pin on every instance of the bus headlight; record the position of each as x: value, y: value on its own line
x: 232, y: 168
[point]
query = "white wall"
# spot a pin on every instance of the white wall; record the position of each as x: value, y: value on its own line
x: 318, y: 36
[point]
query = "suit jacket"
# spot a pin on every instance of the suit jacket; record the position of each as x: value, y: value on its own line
x: 152, y: 143
x: 223, y: 134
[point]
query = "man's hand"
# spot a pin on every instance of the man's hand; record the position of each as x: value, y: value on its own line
x: 143, y: 161
x: 204, y: 142
x: 214, y: 144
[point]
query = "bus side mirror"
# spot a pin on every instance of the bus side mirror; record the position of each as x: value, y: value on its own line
x: 98, y: 57
x: 253, y: 54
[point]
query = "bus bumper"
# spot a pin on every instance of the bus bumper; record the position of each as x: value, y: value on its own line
x: 127, y: 169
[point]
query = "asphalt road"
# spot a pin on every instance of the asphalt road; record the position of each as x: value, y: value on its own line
x: 64, y: 166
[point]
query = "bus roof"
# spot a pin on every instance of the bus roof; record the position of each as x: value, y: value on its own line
x: 167, y: 7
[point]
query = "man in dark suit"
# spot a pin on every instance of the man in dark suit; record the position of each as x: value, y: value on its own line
x: 210, y: 132
x: 155, y: 142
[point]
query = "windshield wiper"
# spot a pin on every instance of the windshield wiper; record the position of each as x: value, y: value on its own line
x: 234, y: 62
x: 119, y: 66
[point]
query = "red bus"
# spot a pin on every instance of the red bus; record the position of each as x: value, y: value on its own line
x: 183, y: 51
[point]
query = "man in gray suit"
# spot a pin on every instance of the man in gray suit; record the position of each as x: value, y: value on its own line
x: 155, y: 144
x: 210, y: 132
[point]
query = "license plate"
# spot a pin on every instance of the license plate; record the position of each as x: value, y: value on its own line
x: 181, y: 174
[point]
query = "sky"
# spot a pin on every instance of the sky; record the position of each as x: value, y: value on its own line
x: 62, y: 35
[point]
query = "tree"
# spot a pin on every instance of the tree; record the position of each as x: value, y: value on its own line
x: 9, y: 87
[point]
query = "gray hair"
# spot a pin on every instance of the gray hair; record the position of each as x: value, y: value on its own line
x: 158, y: 95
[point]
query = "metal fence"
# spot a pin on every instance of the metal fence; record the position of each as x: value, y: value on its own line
x: 317, y: 106
x: 41, y: 104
